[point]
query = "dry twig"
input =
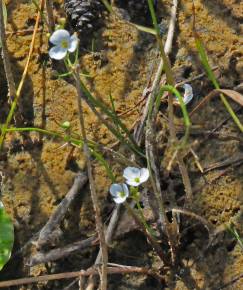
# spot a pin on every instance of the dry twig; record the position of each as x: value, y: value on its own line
x: 91, y: 271
x: 50, y: 16
x: 45, y: 234
x: 5, y: 57
x: 98, y: 219
x: 63, y: 252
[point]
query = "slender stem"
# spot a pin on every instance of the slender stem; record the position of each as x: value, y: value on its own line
x: 50, y: 15
x: 146, y: 225
x: 170, y: 81
x: 107, y: 5
x: 99, y: 224
x: 5, y: 57
x: 20, y: 86
x: 150, y: 237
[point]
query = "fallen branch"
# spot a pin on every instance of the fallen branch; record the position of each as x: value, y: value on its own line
x: 60, y: 253
x: 88, y: 272
x: 79, y: 181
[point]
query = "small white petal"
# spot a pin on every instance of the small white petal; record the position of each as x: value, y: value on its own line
x: 114, y: 189
x: 188, y: 94
x: 1, y: 204
x: 73, y: 43
x: 119, y: 199
x: 57, y: 52
x: 131, y: 173
x: 119, y: 192
x: 144, y: 175
x: 132, y: 182
x: 59, y: 35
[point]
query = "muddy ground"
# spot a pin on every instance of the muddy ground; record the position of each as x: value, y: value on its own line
x: 38, y: 177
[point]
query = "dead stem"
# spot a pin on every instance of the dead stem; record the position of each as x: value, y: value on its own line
x: 151, y: 239
x: 91, y: 271
x: 57, y: 216
x: 60, y: 253
x: 98, y: 219
x: 155, y: 180
x: 139, y: 130
x: 170, y: 81
x: 50, y: 16
x: 5, y: 57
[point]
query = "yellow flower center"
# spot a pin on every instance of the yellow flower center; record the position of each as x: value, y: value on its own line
x: 64, y: 44
x: 122, y: 194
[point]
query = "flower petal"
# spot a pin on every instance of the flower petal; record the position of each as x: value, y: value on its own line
x: 73, y: 43
x: 131, y: 173
x: 119, y: 199
x: 125, y: 189
x: 60, y: 35
x: 57, y: 52
x: 144, y: 175
x: 188, y: 95
x: 115, y: 188
x: 119, y: 192
x: 132, y: 182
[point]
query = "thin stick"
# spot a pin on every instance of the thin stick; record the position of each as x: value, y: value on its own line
x: 88, y: 272
x: 168, y: 47
x: 50, y: 16
x: 79, y: 181
x: 5, y: 57
x: 98, y: 219
x: 170, y: 80
x: 20, y: 86
x: 63, y: 252
x: 108, y: 237
x: 21, y: 32
x: 151, y: 239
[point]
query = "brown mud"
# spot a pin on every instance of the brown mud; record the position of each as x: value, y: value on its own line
x: 36, y: 179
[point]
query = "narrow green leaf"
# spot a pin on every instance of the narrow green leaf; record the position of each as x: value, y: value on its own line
x: 6, y: 236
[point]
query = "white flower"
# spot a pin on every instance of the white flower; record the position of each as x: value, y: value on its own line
x: 188, y: 94
x: 119, y: 192
x: 63, y: 43
x: 135, y: 176
x: 1, y: 205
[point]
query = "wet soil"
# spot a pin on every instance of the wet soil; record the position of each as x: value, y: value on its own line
x: 37, y: 177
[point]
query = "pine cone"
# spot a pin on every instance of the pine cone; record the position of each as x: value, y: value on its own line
x: 84, y: 15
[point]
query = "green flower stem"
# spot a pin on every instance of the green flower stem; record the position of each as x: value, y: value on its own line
x: 94, y: 102
x: 55, y: 134
x: 107, y: 5
x: 186, y: 118
x: 97, y: 103
x: 204, y: 59
x: 74, y: 141
x: 135, y: 195
x: 167, y: 65
x: 152, y: 240
x: 143, y: 220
